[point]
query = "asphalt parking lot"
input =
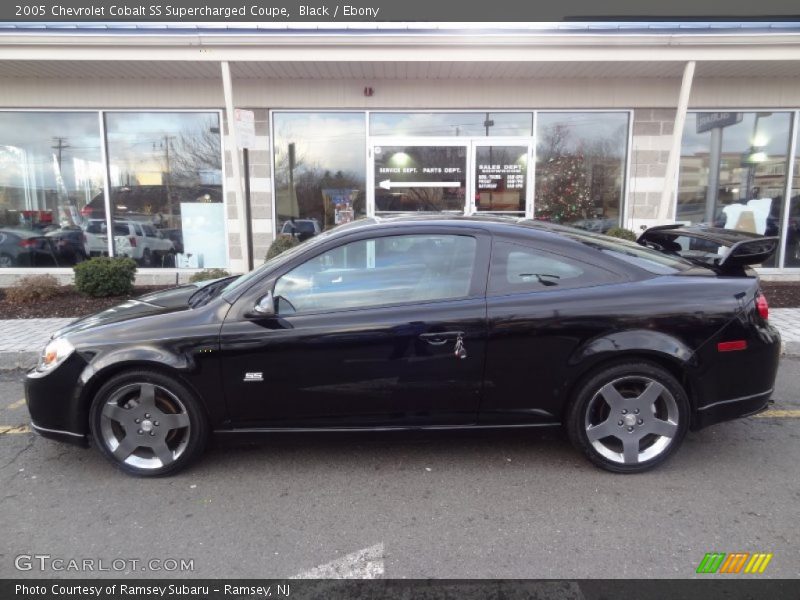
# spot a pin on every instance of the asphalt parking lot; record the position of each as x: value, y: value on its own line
x: 476, y: 504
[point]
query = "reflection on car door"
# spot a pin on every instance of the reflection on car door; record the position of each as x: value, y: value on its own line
x: 366, y: 335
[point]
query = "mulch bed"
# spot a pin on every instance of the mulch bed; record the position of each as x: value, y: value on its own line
x: 72, y: 304
x: 69, y: 303
x: 782, y: 294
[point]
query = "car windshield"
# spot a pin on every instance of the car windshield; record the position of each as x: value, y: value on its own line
x: 633, y: 253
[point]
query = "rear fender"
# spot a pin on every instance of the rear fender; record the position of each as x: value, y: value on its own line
x: 635, y: 341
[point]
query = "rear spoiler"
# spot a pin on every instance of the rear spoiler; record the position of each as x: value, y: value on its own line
x: 724, y: 250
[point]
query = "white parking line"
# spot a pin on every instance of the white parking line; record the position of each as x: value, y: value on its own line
x: 364, y: 564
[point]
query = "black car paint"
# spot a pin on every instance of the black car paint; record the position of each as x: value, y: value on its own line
x: 367, y: 367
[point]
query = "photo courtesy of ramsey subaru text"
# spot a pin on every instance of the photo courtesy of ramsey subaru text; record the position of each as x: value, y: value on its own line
x: 428, y: 323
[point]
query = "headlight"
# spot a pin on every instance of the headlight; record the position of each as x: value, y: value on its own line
x: 54, y: 354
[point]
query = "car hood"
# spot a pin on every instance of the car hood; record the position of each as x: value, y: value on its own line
x: 163, y: 301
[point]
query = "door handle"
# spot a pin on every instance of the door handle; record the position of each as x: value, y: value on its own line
x: 439, y: 338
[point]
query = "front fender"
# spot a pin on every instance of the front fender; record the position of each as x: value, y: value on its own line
x: 101, y: 367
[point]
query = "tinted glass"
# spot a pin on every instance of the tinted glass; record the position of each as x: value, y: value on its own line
x: 381, y: 271
x: 520, y: 269
x: 51, y: 173
x: 792, y: 238
x: 166, y: 171
x: 320, y: 167
x: 733, y: 170
x: 645, y: 258
x: 580, y: 168
x: 451, y: 124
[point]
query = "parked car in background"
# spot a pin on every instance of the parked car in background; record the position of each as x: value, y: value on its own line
x: 25, y: 248
x: 176, y: 237
x: 302, y: 229
x: 95, y: 237
x: 462, y: 322
x: 143, y: 243
x: 69, y: 245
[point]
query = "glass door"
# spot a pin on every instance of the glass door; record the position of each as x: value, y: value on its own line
x: 418, y: 175
x: 502, y: 177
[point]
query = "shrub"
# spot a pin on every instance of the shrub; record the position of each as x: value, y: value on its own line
x: 32, y: 288
x: 104, y: 276
x: 207, y: 274
x: 281, y: 244
x: 622, y: 233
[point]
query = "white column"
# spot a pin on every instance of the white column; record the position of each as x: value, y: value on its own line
x: 238, y: 190
x: 665, y: 209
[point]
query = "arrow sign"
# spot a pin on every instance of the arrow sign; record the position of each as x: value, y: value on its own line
x: 388, y: 184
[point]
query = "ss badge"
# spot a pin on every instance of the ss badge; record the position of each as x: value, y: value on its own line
x: 254, y: 376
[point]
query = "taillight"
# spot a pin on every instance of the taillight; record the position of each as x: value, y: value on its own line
x: 133, y: 241
x: 27, y: 243
x: 762, y: 306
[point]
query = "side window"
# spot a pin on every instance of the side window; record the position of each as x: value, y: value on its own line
x: 520, y: 269
x: 149, y: 231
x: 380, y: 271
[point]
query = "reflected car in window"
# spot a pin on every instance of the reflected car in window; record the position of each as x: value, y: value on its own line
x: 426, y: 323
x: 26, y: 248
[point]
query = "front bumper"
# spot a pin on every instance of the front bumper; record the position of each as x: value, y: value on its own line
x: 53, y: 400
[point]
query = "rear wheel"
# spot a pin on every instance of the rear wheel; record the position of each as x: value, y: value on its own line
x: 147, y: 258
x: 628, y: 418
x: 147, y: 423
x: 6, y: 261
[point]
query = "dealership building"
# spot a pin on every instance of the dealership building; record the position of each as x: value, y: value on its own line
x: 125, y: 138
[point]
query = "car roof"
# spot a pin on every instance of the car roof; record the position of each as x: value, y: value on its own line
x: 497, y: 223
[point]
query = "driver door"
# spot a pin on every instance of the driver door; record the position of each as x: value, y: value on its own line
x: 365, y: 333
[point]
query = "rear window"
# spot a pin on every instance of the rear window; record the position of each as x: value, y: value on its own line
x: 650, y: 260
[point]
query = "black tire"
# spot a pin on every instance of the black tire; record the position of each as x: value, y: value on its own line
x: 169, y: 260
x: 652, y: 435
x: 147, y: 258
x: 171, y: 401
x: 6, y: 260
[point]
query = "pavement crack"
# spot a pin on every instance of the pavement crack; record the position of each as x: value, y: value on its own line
x: 27, y: 447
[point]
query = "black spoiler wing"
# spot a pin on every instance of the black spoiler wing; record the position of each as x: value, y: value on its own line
x: 724, y: 250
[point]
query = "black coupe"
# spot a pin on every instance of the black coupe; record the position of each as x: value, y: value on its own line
x: 434, y: 323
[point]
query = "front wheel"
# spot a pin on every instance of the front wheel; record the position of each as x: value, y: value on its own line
x: 147, y: 423
x: 629, y: 417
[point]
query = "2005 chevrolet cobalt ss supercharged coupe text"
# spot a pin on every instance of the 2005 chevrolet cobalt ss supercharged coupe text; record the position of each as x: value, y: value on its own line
x: 428, y: 323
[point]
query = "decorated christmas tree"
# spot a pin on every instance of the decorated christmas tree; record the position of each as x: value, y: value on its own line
x: 563, y: 192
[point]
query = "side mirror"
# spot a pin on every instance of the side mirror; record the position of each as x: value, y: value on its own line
x: 265, y: 307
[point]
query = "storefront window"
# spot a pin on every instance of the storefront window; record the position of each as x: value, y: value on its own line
x: 404, y: 124
x: 580, y: 168
x: 320, y: 170
x: 50, y: 172
x: 792, y: 258
x: 165, y: 172
x: 733, y: 170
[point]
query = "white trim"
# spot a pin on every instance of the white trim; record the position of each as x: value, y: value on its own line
x: 625, y: 213
x: 674, y: 159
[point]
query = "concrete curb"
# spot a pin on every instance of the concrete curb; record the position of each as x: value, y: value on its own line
x: 12, y: 361
x: 790, y: 349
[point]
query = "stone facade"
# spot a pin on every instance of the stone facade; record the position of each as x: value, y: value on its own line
x: 260, y: 194
x: 650, y: 146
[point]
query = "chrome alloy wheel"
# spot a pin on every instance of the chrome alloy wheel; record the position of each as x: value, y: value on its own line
x: 632, y: 420
x: 144, y: 425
